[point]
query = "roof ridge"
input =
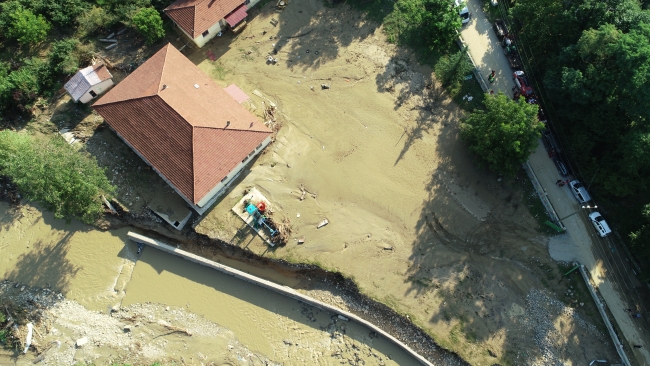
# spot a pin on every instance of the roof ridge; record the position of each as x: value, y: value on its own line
x: 125, y: 100
x: 231, y: 129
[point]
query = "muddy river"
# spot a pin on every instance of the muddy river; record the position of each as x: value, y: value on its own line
x: 100, y: 269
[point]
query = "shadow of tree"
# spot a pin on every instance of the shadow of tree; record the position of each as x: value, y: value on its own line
x: 486, y: 272
x: 46, y: 265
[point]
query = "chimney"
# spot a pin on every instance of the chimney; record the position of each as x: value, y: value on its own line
x: 164, y: 87
x: 227, y: 124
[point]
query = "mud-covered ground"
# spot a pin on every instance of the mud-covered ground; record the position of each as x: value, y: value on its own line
x: 413, y: 221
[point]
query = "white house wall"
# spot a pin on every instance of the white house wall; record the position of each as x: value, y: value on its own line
x: 200, y: 41
x: 217, y: 191
x: 98, y: 89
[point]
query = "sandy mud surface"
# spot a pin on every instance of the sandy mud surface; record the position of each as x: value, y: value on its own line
x: 75, y: 282
x: 411, y: 217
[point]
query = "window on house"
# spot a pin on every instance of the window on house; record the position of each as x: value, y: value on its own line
x: 224, y: 179
x: 94, y: 95
x: 205, y: 34
x: 246, y: 158
x: 258, y: 147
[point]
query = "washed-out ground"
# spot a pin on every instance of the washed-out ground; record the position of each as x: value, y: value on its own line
x: 412, y: 218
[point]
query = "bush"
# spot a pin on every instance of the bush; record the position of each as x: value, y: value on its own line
x: 453, y: 68
x: 94, y: 20
x: 148, y: 22
x: 63, y: 58
x: 65, y: 181
x: 26, y: 27
x: 62, y: 13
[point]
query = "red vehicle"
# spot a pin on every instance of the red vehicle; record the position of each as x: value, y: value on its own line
x: 522, y: 83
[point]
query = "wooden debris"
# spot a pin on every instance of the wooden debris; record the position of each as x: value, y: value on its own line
x: 173, y: 328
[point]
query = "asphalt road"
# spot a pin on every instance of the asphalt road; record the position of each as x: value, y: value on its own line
x: 605, y: 258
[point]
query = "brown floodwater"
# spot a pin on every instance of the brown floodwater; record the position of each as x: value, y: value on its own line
x: 99, y: 270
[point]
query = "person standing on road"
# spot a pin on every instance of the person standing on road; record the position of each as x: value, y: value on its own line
x: 492, y: 76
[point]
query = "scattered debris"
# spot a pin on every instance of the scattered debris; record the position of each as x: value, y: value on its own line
x: 106, y: 40
x: 324, y: 86
x: 111, y: 46
x: 322, y: 223
x: 81, y: 342
x: 173, y: 328
x: 301, y: 240
x: 343, y: 318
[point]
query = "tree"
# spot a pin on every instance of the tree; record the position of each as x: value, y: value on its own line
x: 504, y: 134
x: 26, y: 27
x: 440, y: 23
x: 453, y: 68
x: 65, y: 181
x: 640, y: 240
x: 148, y: 22
x: 62, y: 58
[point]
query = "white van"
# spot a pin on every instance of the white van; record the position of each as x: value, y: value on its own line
x: 579, y: 191
x: 599, y: 223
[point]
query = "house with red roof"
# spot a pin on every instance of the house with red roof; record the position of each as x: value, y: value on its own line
x: 202, y: 20
x: 194, y: 134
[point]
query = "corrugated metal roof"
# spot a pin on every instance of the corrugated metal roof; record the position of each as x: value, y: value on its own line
x: 192, y: 136
x: 237, y: 15
x: 85, y: 79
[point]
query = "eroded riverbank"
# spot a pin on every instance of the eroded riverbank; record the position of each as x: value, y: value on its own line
x: 103, y: 274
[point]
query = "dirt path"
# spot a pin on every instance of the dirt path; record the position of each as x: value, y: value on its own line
x: 411, y: 217
x: 613, y: 276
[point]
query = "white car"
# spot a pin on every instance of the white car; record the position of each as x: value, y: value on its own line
x: 579, y: 191
x: 599, y: 223
x: 464, y: 12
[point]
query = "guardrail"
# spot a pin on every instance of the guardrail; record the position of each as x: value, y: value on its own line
x: 601, y: 310
x: 543, y: 196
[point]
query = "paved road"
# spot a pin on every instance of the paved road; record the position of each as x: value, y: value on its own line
x: 603, y: 257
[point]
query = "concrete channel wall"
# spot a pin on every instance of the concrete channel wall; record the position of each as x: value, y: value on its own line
x: 283, y: 290
x: 608, y: 324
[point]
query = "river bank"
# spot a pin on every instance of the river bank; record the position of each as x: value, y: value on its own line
x: 102, y: 275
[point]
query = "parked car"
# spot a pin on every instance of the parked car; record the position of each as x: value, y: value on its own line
x: 522, y: 83
x: 500, y: 29
x: 560, y: 166
x: 600, y: 224
x: 464, y: 12
x: 549, y: 141
x: 579, y: 191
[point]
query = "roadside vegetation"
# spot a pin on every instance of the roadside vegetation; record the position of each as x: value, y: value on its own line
x: 593, y: 59
x: 504, y: 134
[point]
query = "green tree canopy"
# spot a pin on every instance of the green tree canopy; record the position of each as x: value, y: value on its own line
x: 27, y: 28
x: 454, y: 67
x: 504, y: 134
x: 148, y: 22
x: 65, y: 181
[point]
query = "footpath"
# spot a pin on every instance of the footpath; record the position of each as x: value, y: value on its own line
x: 610, y: 269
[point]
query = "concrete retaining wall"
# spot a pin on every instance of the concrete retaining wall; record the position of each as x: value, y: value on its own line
x: 283, y: 290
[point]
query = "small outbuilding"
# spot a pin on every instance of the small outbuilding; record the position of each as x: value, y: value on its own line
x: 194, y: 134
x: 89, y: 83
x: 202, y: 20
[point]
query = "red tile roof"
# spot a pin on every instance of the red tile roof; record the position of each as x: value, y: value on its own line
x: 178, y: 128
x: 197, y: 16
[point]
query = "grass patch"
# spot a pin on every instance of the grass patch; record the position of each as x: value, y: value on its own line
x: 535, y: 205
x: 219, y: 70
